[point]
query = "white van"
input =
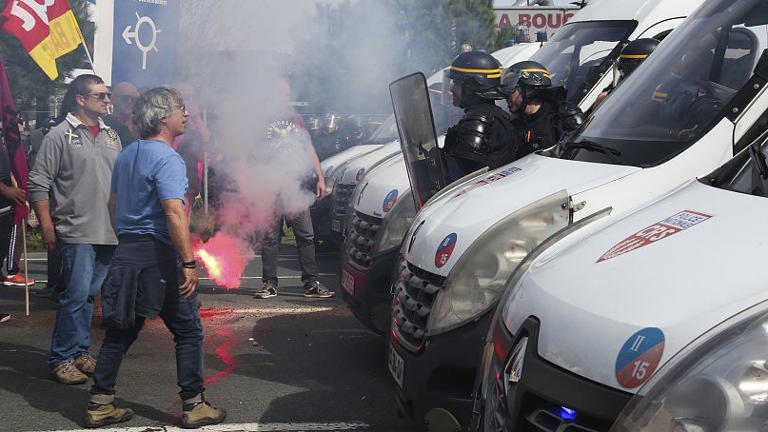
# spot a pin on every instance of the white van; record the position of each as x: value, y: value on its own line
x: 663, y: 308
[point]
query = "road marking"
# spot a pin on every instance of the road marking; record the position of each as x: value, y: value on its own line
x: 244, y: 427
x: 42, y: 281
x: 279, y: 277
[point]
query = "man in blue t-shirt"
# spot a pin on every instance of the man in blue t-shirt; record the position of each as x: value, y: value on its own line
x: 149, y: 181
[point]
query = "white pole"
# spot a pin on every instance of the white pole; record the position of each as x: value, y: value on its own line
x: 88, y: 54
x: 26, y: 262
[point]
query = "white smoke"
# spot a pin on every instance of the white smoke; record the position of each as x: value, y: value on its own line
x: 237, y: 53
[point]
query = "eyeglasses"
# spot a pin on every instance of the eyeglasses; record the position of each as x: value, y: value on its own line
x: 100, y: 96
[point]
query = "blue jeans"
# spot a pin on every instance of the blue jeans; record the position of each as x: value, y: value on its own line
x: 151, y: 267
x: 84, y: 267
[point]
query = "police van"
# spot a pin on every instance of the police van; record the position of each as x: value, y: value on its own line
x: 332, y: 167
x: 696, y: 102
x: 660, y: 313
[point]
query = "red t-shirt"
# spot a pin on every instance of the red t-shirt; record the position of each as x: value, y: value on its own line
x: 94, y: 130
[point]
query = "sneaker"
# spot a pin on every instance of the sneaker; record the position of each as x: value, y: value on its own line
x: 268, y: 289
x: 17, y: 280
x: 201, y: 414
x: 102, y: 415
x: 4, y: 317
x: 85, y: 363
x: 317, y: 290
x: 67, y: 373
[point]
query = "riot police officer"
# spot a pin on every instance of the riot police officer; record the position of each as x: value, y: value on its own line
x: 633, y: 54
x: 543, y: 114
x: 482, y: 137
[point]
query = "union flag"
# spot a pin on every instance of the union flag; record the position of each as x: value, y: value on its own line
x: 46, y: 28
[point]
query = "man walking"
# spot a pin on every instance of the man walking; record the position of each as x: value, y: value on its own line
x: 69, y: 190
x: 147, y: 207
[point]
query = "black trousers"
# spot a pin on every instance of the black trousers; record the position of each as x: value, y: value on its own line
x: 305, y: 242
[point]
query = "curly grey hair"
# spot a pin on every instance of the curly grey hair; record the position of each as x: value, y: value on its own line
x: 152, y: 107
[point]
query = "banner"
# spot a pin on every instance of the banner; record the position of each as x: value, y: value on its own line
x: 47, y: 30
x: 9, y: 124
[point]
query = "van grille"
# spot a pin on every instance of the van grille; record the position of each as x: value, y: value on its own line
x: 415, y: 291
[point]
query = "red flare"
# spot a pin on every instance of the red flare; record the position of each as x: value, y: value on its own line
x: 224, y: 258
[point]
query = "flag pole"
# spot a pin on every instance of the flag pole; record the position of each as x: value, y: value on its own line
x: 26, y: 262
x: 88, y: 54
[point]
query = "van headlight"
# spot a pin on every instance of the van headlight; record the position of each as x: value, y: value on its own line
x: 718, y: 383
x: 395, y: 224
x: 479, y: 277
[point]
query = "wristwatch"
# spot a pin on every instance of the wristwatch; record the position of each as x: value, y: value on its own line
x: 189, y: 264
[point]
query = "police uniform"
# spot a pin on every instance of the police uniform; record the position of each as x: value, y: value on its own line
x: 482, y: 137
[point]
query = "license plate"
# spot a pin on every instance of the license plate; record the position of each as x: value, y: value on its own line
x: 396, y: 366
x: 348, y: 282
x: 336, y: 226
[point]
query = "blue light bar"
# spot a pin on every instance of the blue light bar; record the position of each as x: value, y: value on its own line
x: 567, y: 414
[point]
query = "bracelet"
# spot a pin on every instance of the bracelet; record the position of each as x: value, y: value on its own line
x: 189, y: 264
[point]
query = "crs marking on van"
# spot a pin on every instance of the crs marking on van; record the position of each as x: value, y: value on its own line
x: 490, y: 179
x: 639, y: 357
x: 669, y: 226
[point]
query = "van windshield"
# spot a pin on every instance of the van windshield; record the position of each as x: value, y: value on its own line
x: 678, y: 94
x: 577, y: 47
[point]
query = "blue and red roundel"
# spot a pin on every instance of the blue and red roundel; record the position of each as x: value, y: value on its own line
x: 389, y: 201
x: 445, y: 250
x: 639, y: 357
x: 360, y: 174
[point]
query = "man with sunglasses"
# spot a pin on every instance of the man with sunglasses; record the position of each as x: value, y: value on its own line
x: 123, y: 99
x: 69, y: 191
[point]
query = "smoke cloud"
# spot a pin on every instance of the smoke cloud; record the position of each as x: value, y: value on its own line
x: 238, y: 55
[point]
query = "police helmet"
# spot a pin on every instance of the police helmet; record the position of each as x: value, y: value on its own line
x: 635, y: 53
x: 477, y: 72
x: 527, y: 73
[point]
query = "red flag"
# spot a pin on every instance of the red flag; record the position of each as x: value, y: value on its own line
x: 12, y: 138
x: 46, y: 28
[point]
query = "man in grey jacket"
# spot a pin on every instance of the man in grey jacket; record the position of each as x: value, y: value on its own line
x: 69, y: 190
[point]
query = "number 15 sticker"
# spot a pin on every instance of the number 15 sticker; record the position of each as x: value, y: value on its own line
x: 639, y: 357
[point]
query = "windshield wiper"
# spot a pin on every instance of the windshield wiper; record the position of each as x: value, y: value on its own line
x: 595, y: 147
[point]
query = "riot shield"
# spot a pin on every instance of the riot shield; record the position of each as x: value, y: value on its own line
x: 413, y: 113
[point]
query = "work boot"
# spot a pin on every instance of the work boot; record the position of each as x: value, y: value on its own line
x: 85, y: 363
x: 67, y: 373
x: 198, y: 412
x: 102, y: 414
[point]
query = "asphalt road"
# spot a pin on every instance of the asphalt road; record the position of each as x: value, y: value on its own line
x: 286, y: 363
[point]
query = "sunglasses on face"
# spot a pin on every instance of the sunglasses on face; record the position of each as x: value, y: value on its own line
x: 100, y: 96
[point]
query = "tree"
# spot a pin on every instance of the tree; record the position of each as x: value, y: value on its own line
x: 30, y: 86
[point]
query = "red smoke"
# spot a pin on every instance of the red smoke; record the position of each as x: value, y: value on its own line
x: 224, y: 258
